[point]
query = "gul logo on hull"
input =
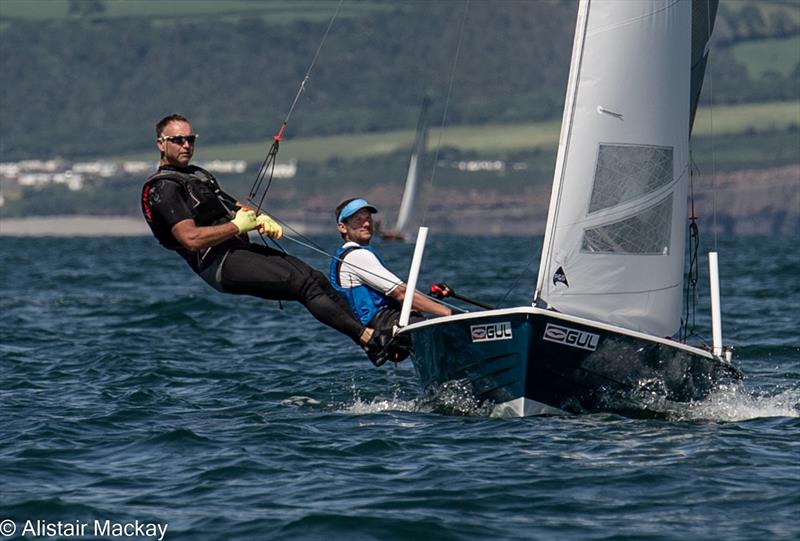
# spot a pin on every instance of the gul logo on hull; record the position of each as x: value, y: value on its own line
x: 571, y: 337
x: 491, y: 331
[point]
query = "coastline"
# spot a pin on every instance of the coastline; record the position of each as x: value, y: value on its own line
x: 121, y: 226
x: 73, y: 226
x: 735, y: 203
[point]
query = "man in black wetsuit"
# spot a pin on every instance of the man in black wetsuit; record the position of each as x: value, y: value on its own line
x: 189, y: 213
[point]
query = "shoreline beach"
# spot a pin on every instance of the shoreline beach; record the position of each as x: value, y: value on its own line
x: 73, y: 226
x: 93, y: 226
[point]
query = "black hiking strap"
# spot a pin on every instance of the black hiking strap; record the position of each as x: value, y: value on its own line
x: 341, y: 260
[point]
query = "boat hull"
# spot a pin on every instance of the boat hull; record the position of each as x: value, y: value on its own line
x: 528, y: 361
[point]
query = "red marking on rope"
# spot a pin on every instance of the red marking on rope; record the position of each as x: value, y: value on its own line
x: 279, y: 136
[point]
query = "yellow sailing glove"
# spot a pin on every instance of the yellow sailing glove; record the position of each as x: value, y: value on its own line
x: 269, y: 227
x: 245, y: 220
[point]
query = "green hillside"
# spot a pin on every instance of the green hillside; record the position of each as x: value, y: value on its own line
x: 762, y: 56
x: 490, y: 140
x: 280, y: 11
x: 87, y: 79
x: 84, y: 78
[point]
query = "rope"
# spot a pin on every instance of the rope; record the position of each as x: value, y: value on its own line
x: 267, y: 169
x: 691, y: 297
x: 314, y: 247
x: 688, y: 321
x: 517, y: 280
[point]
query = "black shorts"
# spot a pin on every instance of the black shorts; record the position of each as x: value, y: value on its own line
x: 387, y: 318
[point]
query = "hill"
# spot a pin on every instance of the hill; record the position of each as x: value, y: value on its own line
x: 88, y: 78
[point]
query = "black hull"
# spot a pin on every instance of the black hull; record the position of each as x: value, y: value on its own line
x: 528, y: 361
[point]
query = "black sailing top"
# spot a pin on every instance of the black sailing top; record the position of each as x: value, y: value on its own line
x: 174, y: 194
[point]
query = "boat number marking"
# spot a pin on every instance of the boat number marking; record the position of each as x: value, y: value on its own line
x: 491, y: 331
x: 571, y: 337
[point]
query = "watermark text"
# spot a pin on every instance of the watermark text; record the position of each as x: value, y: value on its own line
x: 79, y: 528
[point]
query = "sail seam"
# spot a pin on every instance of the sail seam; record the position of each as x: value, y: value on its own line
x: 606, y: 28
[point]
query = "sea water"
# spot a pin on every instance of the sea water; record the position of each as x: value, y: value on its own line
x: 138, y: 403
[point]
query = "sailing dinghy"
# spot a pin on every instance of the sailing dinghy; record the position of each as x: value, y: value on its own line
x: 609, y: 291
x: 408, y: 204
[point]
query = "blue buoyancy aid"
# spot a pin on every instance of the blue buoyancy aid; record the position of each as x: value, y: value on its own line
x: 364, y: 301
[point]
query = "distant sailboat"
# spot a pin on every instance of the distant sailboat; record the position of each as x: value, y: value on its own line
x: 409, y: 202
x: 610, y: 281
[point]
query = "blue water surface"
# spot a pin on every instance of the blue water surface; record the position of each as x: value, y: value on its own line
x: 132, y: 393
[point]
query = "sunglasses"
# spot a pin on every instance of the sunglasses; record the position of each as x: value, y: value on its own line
x: 180, y: 139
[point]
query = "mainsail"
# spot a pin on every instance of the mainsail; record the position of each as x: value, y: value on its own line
x: 612, y: 259
x: 614, y: 243
x: 409, y: 202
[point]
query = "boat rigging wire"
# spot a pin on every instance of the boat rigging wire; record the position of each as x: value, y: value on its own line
x: 524, y: 272
x: 304, y: 241
x: 267, y: 170
x: 265, y: 175
x: 691, y: 295
x: 690, y: 300
x: 446, y: 105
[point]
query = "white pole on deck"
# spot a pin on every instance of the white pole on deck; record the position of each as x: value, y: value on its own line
x: 716, y: 317
x: 413, y: 274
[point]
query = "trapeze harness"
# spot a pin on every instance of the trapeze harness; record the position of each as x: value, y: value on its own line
x: 365, y: 302
x: 207, y: 205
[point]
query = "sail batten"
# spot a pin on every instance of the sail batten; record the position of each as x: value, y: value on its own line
x: 614, y: 244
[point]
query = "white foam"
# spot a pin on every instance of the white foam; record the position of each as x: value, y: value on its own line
x: 378, y: 404
x: 736, y: 403
x: 298, y: 400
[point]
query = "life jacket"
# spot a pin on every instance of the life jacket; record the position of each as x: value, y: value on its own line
x: 210, y: 205
x: 364, y: 301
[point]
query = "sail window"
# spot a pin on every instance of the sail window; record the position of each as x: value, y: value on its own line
x: 626, y: 172
x: 646, y: 233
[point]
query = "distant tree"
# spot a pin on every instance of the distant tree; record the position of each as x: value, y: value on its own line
x: 753, y: 21
x: 86, y: 8
x: 781, y: 24
x: 727, y: 28
x: 512, y: 68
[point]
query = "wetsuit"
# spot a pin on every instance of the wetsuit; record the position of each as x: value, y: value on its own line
x: 236, y: 266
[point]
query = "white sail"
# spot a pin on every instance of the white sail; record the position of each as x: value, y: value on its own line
x: 409, y: 195
x: 614, y: 243
x: 409, y: 201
